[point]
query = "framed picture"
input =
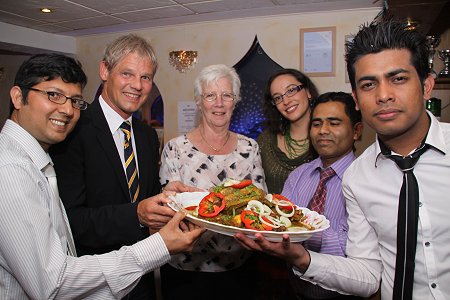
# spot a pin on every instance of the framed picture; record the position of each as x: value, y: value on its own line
x: 318, y: 51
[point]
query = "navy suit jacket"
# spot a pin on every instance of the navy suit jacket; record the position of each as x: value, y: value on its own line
x: 93, y: 185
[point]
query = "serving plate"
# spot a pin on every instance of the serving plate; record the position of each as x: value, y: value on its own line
x: 181, y: 200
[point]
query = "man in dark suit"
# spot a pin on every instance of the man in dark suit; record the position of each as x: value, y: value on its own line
x: 108, y: 208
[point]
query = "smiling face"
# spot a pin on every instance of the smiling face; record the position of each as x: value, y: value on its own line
x: 295, y: 107
x: 332, y: 133
x: 48, y: 122
x: 217, y: 113
x: 391, y: 97
x: 127, y: 85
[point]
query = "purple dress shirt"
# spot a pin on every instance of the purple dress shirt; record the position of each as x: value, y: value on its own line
x: 300, y: 187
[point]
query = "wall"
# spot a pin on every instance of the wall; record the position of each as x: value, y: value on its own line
x: 227, y: 42
x: 11, y: 63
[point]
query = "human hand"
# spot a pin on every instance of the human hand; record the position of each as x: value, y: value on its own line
x: 179, y: 187
x: 180, y: 238
x: 153, y: 211
x: 293, y: 253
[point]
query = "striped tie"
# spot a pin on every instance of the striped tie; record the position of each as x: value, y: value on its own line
x: 130, y: 162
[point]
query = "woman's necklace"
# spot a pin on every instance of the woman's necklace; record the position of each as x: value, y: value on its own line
x: 295, y: 147
x: 213, y: 148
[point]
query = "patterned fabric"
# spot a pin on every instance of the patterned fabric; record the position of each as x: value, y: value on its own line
x: 318, y: 201
x: 33, y: 259
x: 130, y: 162
x: 276, y: 164
x: 182, y: 161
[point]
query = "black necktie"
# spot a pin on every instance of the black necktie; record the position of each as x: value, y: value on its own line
x: 130, y: 162
x: 407, y: 223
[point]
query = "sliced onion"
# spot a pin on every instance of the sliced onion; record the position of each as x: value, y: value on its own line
x: 286, y: 222
x: 282, y: 213
x: 229, y: 182
x: 256, y: 206
x: 274, y: 223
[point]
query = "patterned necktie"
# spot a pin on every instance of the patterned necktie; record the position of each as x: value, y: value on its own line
x: 317, y: 202
x: 130, y: 162
x: 58, y: 213
x: 408, y: 219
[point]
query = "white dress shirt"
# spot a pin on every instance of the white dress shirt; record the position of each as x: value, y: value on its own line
x: 33, y: 259
x: 371, y: 187
x: 114, y: 121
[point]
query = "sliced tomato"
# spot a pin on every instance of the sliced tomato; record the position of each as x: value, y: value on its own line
x: 242, y: 184
x: 191, y: 208
x: 289, y: 205
x: 251, y: 221
x: 211, y: 205
x: 265, y: 226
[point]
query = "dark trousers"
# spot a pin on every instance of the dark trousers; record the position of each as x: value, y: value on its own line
x: 144, y: 290
x: 191, y: 285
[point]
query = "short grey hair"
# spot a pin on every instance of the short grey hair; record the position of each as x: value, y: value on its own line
x: 125, y: 45
x: 213, y: 73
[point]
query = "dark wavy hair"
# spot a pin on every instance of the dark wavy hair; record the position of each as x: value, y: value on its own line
x: 387, y: 34
x: 275, y: 122
x: 46, y: 67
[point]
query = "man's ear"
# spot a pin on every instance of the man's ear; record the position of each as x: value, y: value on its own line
x: 428, y: 86
x: 357, y: 131
x: 355, y: 99
x: 104, y: 72
x: 16, y: 97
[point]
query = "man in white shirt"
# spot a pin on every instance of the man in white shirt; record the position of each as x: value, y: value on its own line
x: 390, y: 78
x: 34, y: 232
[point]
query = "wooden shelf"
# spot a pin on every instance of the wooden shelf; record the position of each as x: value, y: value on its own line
x: 442, y: 83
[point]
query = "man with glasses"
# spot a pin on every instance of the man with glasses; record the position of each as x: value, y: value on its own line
x: 37, y: 256
x: 108, y: 167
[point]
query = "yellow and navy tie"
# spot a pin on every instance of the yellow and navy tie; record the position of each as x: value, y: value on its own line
x: 130, y: 162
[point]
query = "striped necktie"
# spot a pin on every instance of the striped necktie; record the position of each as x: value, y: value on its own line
x: 317, y: 202
x: 130, y: 162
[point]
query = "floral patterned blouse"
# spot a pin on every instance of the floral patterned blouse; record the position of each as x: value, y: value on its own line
x: 182, y: 161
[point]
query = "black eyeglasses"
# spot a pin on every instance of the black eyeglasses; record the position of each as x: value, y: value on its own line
x: 289, y: 93
x: 59, y: 98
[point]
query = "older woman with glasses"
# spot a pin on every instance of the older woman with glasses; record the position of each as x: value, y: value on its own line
x: 203, y: 158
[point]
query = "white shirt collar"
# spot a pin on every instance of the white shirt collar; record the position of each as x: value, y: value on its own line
x: 113, y: 119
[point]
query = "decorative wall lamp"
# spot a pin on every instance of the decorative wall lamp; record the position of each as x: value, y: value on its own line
x: 183, y: 60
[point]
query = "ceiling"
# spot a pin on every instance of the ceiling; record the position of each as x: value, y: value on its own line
x: 84, y: 17
x: 87, y: 17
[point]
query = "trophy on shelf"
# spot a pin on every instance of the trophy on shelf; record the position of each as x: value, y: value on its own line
x: 444, y: 55
x: 432, y: 42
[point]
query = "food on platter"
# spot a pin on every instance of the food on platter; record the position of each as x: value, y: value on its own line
x: 241, y: 204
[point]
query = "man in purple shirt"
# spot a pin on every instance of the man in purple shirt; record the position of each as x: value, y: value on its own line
x: 335, y: 126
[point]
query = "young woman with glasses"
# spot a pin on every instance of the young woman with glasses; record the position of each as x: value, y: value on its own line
x: 284, y: 143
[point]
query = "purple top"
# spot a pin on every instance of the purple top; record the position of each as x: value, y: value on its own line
x: 300, y: 187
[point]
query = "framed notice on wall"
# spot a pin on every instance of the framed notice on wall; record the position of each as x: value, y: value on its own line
x: 318, y: 51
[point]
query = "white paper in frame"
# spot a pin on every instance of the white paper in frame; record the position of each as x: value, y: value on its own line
x: 318, y: 51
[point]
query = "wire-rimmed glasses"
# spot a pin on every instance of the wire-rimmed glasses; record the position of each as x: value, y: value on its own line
x: 212, y: 96
x: 277, y: 99
x: 59, y: 98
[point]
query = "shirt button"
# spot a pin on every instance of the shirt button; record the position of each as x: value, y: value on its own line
x: 433, y: 285
x: 427, y: 244
x: 420, y: 204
